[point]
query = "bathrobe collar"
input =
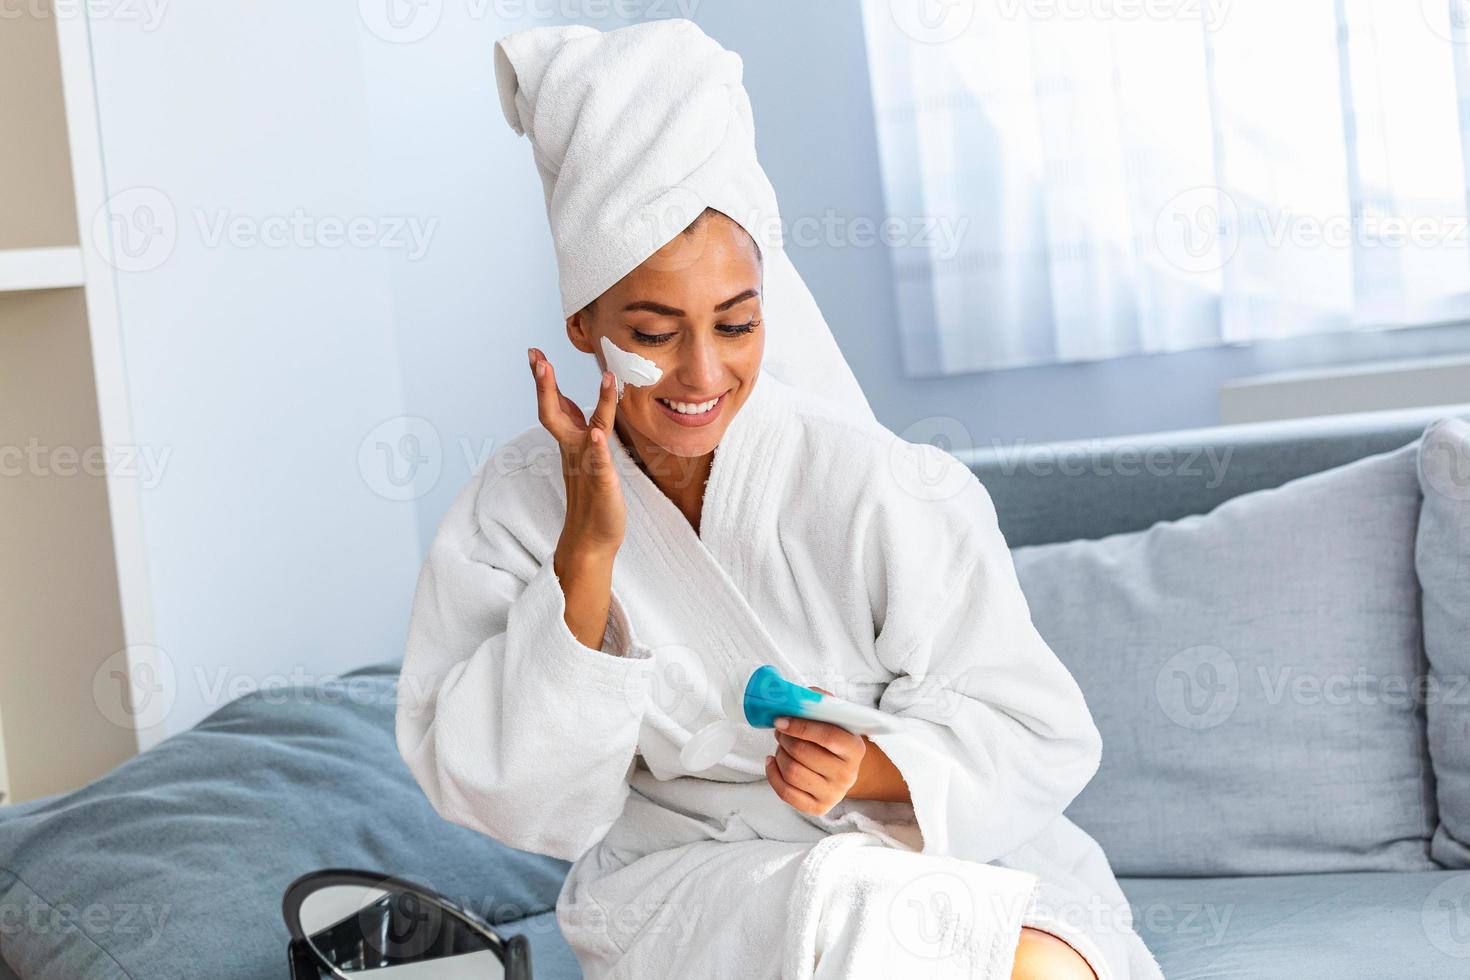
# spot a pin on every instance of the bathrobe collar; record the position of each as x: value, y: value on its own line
x: 708, y: 565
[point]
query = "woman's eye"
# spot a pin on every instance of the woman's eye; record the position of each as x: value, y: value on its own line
x: 728, y: 329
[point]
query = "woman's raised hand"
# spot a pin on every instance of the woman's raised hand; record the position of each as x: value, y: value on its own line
x: 596, y: 514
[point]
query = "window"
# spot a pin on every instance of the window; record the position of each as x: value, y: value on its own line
x: 1118, y: 177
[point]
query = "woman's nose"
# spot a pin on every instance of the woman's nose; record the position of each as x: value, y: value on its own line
x: 699, y: 367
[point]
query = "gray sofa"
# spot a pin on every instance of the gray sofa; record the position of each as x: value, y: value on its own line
x: 1412, y: 923
x: 193, y: 842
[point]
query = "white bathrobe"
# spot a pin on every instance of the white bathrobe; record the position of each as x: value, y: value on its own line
x: 852, y: 561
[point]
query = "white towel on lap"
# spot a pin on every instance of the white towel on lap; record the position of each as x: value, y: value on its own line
x: 863, y: 911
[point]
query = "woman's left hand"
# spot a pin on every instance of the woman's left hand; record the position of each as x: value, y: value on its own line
x: 815, y: 764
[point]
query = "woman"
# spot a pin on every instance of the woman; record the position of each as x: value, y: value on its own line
x: 604, y: 577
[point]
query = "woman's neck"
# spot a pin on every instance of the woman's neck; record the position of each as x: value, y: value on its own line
x: 681, y: 478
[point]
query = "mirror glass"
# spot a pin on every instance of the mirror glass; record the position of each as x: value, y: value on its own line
x: 394, y: 935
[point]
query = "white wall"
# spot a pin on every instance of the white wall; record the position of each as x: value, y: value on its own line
x: 256, y: 369
x: 277, y: 381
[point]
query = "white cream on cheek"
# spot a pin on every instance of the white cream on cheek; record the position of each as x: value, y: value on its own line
x: 629, y: 368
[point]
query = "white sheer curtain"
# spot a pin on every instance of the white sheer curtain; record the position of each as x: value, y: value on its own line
x: 1123, y: 177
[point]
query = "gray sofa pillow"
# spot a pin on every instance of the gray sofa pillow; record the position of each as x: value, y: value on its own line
x: 172, y: 865
x: 1444, y: 576
x: 1253, y: 673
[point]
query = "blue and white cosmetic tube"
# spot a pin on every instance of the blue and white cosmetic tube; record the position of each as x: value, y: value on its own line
x: 769, y: 696
x: 766, y: 696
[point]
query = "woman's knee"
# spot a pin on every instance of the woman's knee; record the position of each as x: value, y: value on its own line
x: 1042, y: 956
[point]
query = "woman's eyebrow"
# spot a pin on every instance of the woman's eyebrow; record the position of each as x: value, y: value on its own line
x: 662, y: 310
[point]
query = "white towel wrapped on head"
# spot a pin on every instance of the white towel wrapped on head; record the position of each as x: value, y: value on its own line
x: 635, y: 132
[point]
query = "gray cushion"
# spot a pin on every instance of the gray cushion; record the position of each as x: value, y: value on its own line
x: 1251, y: 671
x: 1444, y: 576
x: 1360, y: 926
x: 172, y: 866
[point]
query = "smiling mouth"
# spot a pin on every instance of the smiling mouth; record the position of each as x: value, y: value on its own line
x: 692, y: 407
x: 692, y: 412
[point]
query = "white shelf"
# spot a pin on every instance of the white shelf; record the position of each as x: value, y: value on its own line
x: 40, y: 268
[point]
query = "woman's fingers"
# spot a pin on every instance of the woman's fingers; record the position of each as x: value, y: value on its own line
x: 834, y: 738
x: 798, y: 798
x: 607, y: 405
x: 600, y: 454
x: 817, y: 758
x: 558, y: 413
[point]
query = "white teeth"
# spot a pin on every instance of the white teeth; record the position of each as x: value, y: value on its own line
x: 686, y: 408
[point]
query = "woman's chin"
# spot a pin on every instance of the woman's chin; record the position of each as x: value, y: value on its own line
x: 691, y: 443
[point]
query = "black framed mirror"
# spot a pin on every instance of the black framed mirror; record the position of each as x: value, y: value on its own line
x: 362, y: 925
